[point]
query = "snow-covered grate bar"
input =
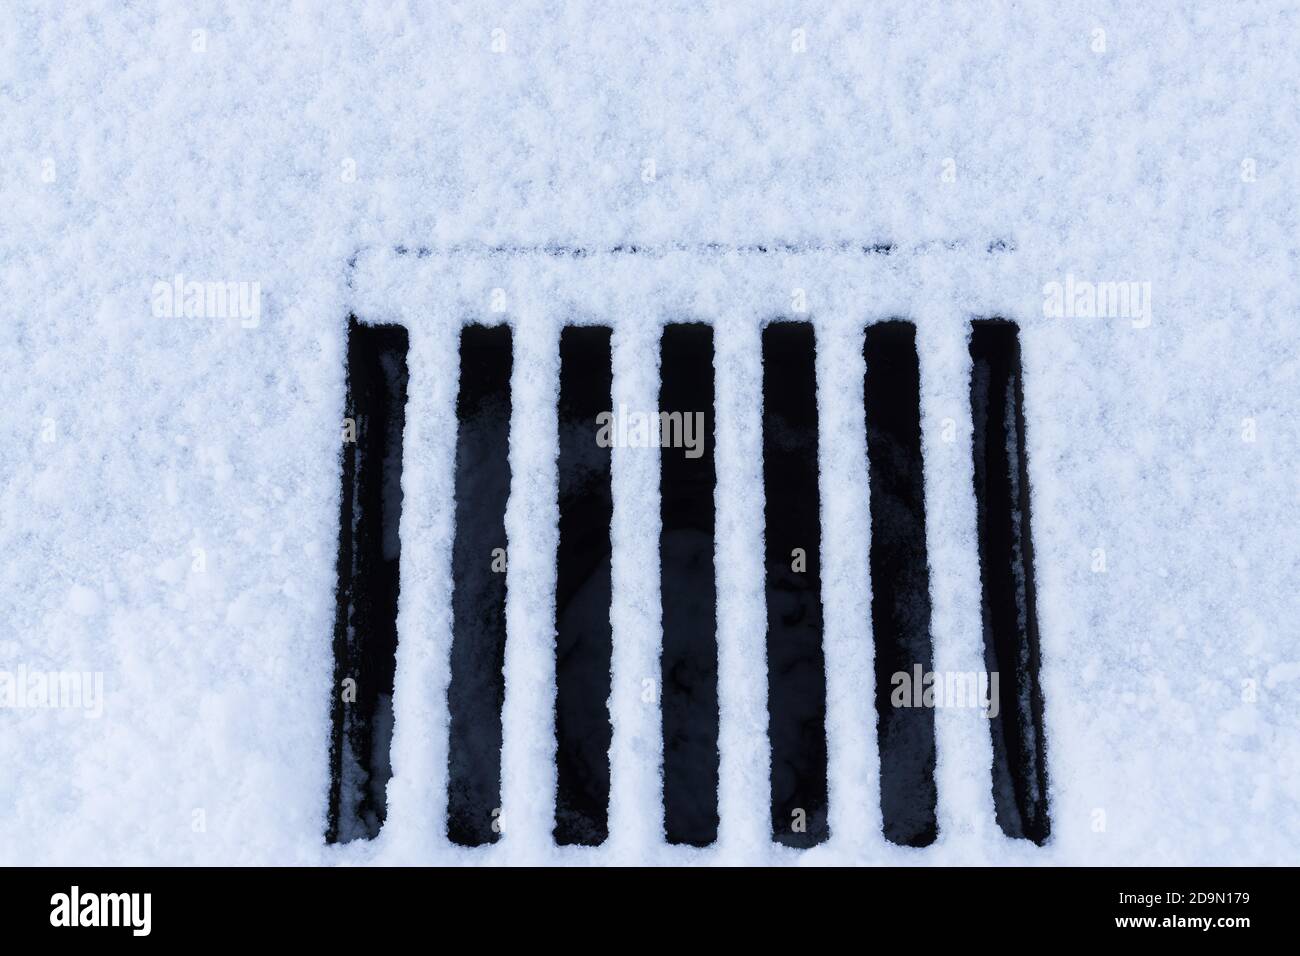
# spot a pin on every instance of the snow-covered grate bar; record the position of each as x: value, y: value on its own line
x: 666, y: 556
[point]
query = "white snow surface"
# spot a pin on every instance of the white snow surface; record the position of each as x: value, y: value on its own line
x: 169, y: 485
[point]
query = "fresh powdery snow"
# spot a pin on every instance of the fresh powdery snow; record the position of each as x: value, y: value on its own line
x: 194, y: 197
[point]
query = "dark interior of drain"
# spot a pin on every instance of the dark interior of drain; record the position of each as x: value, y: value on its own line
x: 796, y: 690
x: 900, y: 581
x: 583, y: 639
x: 1011, y: 645
x: 365, y: 631
x: 687, y: 585
x: 479, y: 561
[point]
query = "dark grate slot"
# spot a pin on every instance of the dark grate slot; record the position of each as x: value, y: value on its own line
x: 796, y: 689
x: 477, y: 687
x: 583, y: 639
x: 365, y: 629
x: 900, y: 582
x: 689, y: 595
x: 1011, y: 648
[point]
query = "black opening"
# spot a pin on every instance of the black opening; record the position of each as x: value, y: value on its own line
x: 900, y: 583
x: 583, y: 639
x: 365, y: 628
x: 479, y: 561
x: 796, y: 688
x: 690, y: 646
x: 1007, y: 575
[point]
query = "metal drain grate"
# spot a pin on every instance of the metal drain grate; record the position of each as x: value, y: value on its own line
x: 696, y: 740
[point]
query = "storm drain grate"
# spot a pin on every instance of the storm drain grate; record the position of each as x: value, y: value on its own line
x: 366, y: 636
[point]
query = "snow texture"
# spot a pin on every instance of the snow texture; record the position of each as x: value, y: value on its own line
x: 169, y: 484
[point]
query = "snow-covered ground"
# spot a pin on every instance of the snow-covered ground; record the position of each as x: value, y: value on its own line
x: 169, y: 502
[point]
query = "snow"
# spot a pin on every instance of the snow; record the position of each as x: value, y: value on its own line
x: 168, y: 484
